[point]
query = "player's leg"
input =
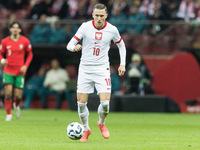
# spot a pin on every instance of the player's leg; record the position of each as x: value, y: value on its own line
x: 103, y: 108
x: 18, y: 92
x: 83, y: 110
x: 85, y: 86
x: 17, y: 98
x: 8, y: 101
x: 19, y: 85
x: 83, y: 114
x: 103, y: 111
x: 103, y: 86
x: 8, y: 81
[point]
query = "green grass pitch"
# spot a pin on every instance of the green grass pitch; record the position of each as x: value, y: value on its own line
x: 46, y: 130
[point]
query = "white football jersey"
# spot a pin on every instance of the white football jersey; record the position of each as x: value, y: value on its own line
x: 96, y: 42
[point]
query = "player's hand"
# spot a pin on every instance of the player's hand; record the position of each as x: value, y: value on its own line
x: 121, y: 70
x: 4, y: 61
x: 77, y: 48
x: 23, y: 69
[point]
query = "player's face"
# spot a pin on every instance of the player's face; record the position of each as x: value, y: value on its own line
x: 99, y: 17
x: 15, y: 29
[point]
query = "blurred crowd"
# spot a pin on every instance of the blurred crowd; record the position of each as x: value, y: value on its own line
x: 51, y: 13
x: 82, y: 9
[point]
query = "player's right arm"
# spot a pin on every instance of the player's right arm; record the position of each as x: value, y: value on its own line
x: 72, y: 45
x: 3, y: 60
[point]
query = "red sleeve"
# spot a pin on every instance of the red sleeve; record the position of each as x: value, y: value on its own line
x: 29, y: 53
x: 2, y: 49
x: 28, y: 46
x: 29, y: 58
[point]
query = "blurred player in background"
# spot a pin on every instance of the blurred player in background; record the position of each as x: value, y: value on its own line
x: 14, y: 47
x: 94, y: 68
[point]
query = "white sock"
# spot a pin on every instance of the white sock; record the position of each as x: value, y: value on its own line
x: 103, y: 111
x: 83, y: 115
x: 10, y: 115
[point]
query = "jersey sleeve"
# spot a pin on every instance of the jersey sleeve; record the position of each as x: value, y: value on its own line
x: 77, y: 37
x: 28, y: 46
x: 29, y: 53
x: 116, y: 36
x: 120, y: 44
x: 2, y: 48
x: 80, y: 33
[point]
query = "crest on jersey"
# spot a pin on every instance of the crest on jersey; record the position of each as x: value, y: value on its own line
x: 8, y: 47
x: 98, y: 35
x: 21, y: 46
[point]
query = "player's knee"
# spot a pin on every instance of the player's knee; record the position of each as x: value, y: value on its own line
x: 8, y: 96
x: 18, y: 97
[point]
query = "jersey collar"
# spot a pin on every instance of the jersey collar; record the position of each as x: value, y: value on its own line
x: 102, y: 27
x: 14, y: 40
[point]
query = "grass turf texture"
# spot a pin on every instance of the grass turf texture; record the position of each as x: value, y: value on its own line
x: 46, y: 129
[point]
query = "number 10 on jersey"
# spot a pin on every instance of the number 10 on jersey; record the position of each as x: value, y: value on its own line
x: 96, y: 51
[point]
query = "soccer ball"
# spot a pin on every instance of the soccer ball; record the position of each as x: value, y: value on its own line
x: 75, y: 131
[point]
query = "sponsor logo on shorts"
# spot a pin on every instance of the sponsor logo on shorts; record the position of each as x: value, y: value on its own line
x: 108, y: 88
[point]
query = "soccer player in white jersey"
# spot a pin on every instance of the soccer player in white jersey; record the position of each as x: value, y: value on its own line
x: 94, y: 71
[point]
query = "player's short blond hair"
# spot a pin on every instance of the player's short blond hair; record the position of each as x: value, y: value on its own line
x: 101, y: 7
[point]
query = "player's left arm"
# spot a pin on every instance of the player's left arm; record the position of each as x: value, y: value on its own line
x: 122, y: 52
x: 28, y: 59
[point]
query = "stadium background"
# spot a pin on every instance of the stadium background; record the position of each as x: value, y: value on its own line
x: 169, y: 44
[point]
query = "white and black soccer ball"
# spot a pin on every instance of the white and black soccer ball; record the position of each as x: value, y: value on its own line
x: 75, y: 131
